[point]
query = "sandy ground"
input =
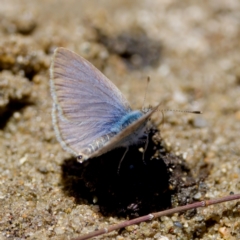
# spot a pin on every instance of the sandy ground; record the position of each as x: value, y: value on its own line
x: 191, y: 51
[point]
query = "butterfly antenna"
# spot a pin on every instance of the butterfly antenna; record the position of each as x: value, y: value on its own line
x: 120, y: 163
x: 175, y: 110
x: 181, y: 111
x: 148, y: 80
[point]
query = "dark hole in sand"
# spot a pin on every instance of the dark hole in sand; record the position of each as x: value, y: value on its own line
x: 135, y: 48
x: 13, y: 106
x: 139, y: 188
x: 29, y: 71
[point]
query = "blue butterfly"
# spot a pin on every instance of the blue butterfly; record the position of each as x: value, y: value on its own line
x: 90, y: 115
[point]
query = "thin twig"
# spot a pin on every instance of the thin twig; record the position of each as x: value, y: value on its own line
x: 158, y: 214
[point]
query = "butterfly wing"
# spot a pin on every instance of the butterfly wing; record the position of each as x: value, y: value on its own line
x: 86, y: 103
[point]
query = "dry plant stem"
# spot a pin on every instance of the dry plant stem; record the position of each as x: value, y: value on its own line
x: 158, y: 214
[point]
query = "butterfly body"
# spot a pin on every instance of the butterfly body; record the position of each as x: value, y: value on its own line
x: 126, y: 120
x: 90, y: 115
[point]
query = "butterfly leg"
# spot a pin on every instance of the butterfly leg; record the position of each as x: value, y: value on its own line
x: 119, y: 165
x: 145, y: 149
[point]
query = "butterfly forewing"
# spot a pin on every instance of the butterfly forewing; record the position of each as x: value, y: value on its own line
x: 86, y: 103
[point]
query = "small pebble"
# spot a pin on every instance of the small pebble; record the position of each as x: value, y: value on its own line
x: 95, y: 199
x: 200, y: 122
x: 197, y: 196
x: 178, y: 224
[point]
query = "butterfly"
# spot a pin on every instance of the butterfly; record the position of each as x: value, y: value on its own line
x: 90, y: 115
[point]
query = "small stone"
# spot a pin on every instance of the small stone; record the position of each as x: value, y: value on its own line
x: 179, y: 97
x: 95, y: 199
x: 155, y: 224
x: 158, y: 236
x: 17, y: 115
x: 237, y: 115
x: 23, y: 159
x: 178, y: 224
x: 197, y: 196
x: 131, y: 228
x: 85, y: 47
x: 59, y: 230
x: 120, y: 238
x: 43, y: 170
x: 223, y: 231
x: 200, y: 122
x: 104, y: 54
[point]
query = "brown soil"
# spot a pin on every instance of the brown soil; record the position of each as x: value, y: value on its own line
x: 191, y: 51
